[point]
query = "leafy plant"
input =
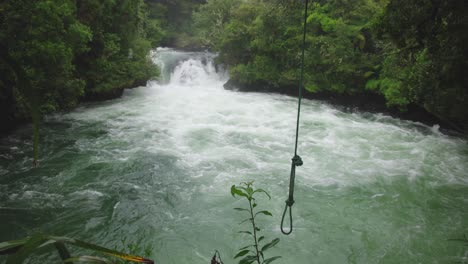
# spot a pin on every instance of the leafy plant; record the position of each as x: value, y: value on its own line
x: 253, y: 252
x: 19, y: 250
x: 135, y: 248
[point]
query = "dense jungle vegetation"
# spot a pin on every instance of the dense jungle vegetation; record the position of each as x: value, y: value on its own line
x: 55, y: 54
x: 411, y: 52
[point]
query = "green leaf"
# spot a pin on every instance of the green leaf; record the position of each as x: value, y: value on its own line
x: 100, y: 249
x: 242, y: 248
x: 269, y: 260
x: 261, y: 238
x: 88, y: 259
x: 242, y: 253
x: 248, y: 259
x: 235, y: 191
x: 262, y: 191
x: 241, y: 209
x: 264, y: 212
x: 32, y: 244
x: 241, y: 188
x: 245, y: 232
x: 112, y: 252
x: 271, y: 244
x: 10, y: 247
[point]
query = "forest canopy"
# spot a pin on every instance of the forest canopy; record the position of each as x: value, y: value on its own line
x: 410, y: 52
x: 69, y: 51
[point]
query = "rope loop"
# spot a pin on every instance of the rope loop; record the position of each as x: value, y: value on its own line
x: 290, y: 218
x: 296, y: 161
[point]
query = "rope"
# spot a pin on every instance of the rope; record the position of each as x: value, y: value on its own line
x: 296, y: 160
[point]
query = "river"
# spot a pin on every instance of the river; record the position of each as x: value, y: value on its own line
x: 155, y: 167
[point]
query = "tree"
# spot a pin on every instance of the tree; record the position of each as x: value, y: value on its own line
x: 426, y: 57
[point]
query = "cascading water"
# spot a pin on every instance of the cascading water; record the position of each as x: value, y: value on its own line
x: 156, y: 166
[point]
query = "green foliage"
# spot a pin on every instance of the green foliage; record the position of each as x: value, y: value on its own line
x: 261, y: 41
x: 57, y: 52
x: 118, y: 57
x: 170, y: 23
x: 426, y: 53
x: 70, y: 49
x: 253, y: 252
x: 19, y: 250
x: 47, y: 38
x: 211, y: 18
x: 412, y: 52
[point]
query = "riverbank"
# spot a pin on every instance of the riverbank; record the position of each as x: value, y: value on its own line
x: 366, y: 101
x: 10, y: 122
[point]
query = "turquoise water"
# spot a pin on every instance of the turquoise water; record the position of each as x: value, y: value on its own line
x: 156, y: 166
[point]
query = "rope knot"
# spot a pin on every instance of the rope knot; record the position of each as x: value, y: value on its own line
x: 289, y: 202
x: 297, y: 161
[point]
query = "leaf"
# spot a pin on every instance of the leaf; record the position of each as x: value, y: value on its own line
x: 235, y: 191
x: 88, y: 259
x: 32, y: 244
x: 23, y: 248
x: 241, y: 209
x: 100, y: 249
x: 241, y: 188
x: 242, y: 253
x: 263, y: 191
x: 271, y: 244
x: 12, y: 246
x: 248, y: 259
x: 256, y: 228
x: 269, y: 260
x: 245, y: 232
x: 264, y: 212
x: 261, y: 238
x: 242, y: 248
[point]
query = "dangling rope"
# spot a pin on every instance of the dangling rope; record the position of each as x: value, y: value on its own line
x: 296, y: 160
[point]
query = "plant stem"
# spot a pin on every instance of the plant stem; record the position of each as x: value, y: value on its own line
x: 254, y: 231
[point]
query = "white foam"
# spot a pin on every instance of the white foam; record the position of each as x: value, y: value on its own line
x: 213, y: 131
x: 88, y: 193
